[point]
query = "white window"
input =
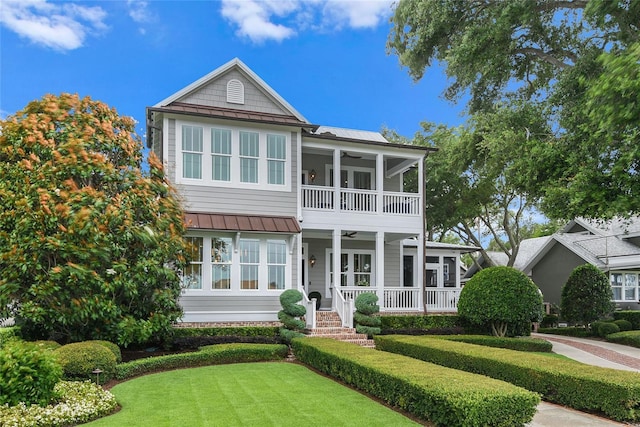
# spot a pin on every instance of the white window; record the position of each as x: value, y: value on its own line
x: 353, y: 177
x: 276, y: 158
x: 249, y: 263
x: 221, y: 154
x: 221, y: 257
x: 624, y: 285
x: 356, y: 267
x: 192, y: 275
x: 249, y: 156
x: 192, y: 152
x: 276, y: 263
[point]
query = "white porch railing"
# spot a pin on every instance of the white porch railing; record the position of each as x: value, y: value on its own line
x: 353, y: 291
x: 402, y: 299
x: 362, y: 201
x: 344, y: 307
x: 310, y: 305
x: 442, y: 299
x: 401, y: 203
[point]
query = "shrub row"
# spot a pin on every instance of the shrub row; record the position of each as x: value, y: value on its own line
x: 630, y: 338
x: 209, y: 355
x: 614, y: 393
x: 241, y: 331
x: 391, y: 323
x: 443, y: 396
x: 579, y: 331
x: 632, y: 316
x: 8, y: 333
x: 195, y: 342
x: 519, y: 344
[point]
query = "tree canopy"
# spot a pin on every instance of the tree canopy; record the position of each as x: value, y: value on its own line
x: 576, y: 62
x: 90, y: 246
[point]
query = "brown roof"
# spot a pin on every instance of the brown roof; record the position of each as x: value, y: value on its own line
x: 232, y: 222
x: 229, y: 113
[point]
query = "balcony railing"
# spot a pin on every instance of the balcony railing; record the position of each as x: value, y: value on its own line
x: 399, y: 299
x: 361, y: 201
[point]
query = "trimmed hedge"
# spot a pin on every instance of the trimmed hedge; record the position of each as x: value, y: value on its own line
x: 80, y: 359
x: 443, y: 396
x: 583, y: 387
x: 113, y: 348
x: 238, y: 331
x: 623, y: 324
x: 579, y: 332
x: 209, y: 355
x: 632, y: 316
x: 630, y: 338
x: 518, y: 344
x: 391, y: 323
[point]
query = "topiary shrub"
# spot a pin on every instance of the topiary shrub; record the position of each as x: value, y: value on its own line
x: 27, y: 374
x: 365, y: 307
x: 503, y: 299
x: 80, y: 359
x: 291, y: 310
x: 623, y: 324
x: 113, y: 348
x: 607, y: 328
x: 586, y: 296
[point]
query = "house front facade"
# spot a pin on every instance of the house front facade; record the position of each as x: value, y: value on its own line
x: 274, y: 202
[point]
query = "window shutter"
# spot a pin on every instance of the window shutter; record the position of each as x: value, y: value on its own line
x: 235, y: 92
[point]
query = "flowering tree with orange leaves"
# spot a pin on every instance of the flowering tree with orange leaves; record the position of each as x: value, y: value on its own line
x: 91, y: 247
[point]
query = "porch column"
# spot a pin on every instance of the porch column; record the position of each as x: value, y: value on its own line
x: 380, y: 268
x: 337, y: 265
x: 336, y: 181
x: 379, y: 181
x: 421, y: 272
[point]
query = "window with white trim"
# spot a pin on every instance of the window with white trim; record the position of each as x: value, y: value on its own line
x: 624, y: 285
x: 249, y: 156
x: 249, y: 263
x: 276, y: 158
x: 221, y: 154
x: 192, y: 275
x: 192, y: 152
x: 276, y: 263
x: 221, y: 257
x: 356, y: 267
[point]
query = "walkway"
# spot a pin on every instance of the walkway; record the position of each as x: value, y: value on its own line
x: 591, y: 352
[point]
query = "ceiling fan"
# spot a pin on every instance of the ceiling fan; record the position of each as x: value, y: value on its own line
x: 350, y: 235
x: 349, y: 156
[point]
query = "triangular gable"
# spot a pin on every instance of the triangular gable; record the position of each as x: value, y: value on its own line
x: 561, y: 240
x: 210, y: 90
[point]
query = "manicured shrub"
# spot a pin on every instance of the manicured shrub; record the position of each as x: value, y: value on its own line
x: 503, y: 298
x: 632, y: 316
x: 80, y: 359
x: 239, y: 331
x: 586, y: 296
x: 195, y: 342
x: 606, y: 328
x: 443, y: 396
x: 47, y: 345
x: 549, y: 321
x: 366, y: 307
x: 113, y: 348
x: 289, y: 314
x: 27, y: 374
x: 630, y: 338
x: 623, y: 325
x: 389, y: 324
x: 519, y: 344
x: 579, y: 332
x: 210, y: 355
x: 583, y: 387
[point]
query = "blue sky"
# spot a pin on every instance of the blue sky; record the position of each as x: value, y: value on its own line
x: 327, y: 58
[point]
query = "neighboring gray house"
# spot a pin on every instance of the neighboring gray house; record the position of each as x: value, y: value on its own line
x: 612, y: 246
x: 274, y: 202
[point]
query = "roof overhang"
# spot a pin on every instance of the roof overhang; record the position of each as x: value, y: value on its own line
x: 241, y: 222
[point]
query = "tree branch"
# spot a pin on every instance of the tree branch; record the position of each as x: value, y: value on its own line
x: 544, y: 56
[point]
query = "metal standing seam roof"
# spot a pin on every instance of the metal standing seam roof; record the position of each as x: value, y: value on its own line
x: 236, y: 222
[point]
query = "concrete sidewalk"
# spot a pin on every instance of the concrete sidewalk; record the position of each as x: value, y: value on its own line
x: 591, y: 352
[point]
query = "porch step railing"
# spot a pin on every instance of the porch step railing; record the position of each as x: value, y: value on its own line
x: 311, y: 316
x: 343, y: 305
x: 442, y: 299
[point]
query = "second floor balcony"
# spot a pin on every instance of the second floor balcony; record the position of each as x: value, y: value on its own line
x: 360, y: 200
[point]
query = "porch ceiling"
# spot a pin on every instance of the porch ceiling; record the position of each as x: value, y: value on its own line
x: 369, y: 236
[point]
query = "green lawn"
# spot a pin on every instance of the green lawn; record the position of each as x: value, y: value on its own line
x: 246, y: 394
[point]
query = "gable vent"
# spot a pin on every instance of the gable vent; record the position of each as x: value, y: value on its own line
x: 235, y: 92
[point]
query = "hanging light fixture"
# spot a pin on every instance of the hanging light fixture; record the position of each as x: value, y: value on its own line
x: 312, y: 260
x: 312, y: 175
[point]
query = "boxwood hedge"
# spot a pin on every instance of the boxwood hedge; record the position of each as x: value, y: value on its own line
x: 630, y: 338
x: 571, y: 331
x: 238, y: 331
x: 632, y: 316
x: 519, y: 344
x: 443, y: 396
x: 590, y: 388
x: 209, y: 355
x: 392, y: 323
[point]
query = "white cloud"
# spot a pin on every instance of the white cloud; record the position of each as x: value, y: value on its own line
x: 261, y: 20
x: 139, y: 12
x: 60, y: 26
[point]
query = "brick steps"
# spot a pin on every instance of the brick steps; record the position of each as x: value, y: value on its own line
x: 329, y: 325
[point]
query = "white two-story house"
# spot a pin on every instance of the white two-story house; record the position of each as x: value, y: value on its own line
x: 274, y: 202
